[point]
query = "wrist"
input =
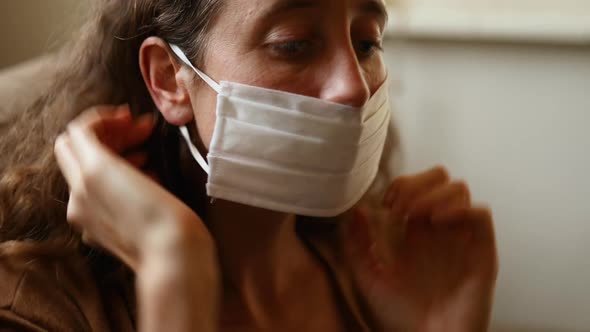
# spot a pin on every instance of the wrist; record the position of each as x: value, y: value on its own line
x: 176, y: 240
x: 469, y: 317
x: 178, y: 287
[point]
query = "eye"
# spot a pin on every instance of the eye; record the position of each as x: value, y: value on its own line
x: 366, y: 48
x: 295, y: 49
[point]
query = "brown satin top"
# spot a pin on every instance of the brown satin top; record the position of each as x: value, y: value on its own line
x: 66, y: 295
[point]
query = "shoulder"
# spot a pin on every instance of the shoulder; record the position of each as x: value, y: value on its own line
x: 41, y: 296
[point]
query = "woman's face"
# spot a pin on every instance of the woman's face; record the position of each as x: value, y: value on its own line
x: 328, y: 49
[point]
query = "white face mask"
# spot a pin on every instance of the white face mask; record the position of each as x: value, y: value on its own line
x: 291, y: 153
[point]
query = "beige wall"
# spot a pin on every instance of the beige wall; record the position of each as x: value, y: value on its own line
x: 29, y: 27
x: 512, y: 119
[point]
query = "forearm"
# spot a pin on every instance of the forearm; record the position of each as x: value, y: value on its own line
x: 178, y: 289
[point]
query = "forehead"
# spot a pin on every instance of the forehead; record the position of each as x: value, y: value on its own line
x: 256, y: 8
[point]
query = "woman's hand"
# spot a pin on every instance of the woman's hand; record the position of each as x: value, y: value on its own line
x: 119, y: 208
x: 438, y: 270
x: 112, y: 202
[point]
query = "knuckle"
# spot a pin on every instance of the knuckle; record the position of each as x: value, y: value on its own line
x: 103, y: 108
x: 90, y: 173
x: 401, y: 183
x: 88, y: 239
x: 484, y: 213
x: 82, y: 120
x: 478, y: 214
x: 73, y: 126
x: 75, y: 123
x: 442, y: 173
x: 60, y: 146
x: 73, y: 214
x: 60, y: 142
x: 75, y: 208
x: 462, y: 188
x: 93, y: 111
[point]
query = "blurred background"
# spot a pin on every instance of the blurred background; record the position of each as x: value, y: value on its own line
x: 496, y: 90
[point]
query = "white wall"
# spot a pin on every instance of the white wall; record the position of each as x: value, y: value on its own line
x: 513, y: 120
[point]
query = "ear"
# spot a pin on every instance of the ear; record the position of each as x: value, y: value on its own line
x: 165, y: 81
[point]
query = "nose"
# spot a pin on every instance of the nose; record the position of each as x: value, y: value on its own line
x: 346, y: 83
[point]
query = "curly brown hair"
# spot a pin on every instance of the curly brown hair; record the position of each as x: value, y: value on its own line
x: 100, y: 66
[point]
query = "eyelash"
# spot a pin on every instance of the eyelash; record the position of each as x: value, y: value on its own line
x: 291, y: 49
x: 297, y: 49
x: 373, y: 46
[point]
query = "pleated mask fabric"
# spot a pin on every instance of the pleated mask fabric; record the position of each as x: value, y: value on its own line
x: 291, y: 153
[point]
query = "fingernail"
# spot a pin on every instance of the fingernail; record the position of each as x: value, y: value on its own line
x: 147, y: 119
x: 122, y: 110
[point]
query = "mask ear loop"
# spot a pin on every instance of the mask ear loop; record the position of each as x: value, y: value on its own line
x: 196, y: 154
x: 183, y: 130
x: 180, y: 54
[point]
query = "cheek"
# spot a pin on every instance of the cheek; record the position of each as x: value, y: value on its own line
x: 204, y: 103
x: 375, y: 73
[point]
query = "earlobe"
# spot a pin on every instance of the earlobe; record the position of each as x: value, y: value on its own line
x: 163, y: 78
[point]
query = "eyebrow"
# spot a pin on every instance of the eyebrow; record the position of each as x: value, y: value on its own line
x: 375, y: 7
x: 284, y: 6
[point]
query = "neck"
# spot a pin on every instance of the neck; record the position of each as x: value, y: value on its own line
x: 260, y: 257
x: 250, y: 240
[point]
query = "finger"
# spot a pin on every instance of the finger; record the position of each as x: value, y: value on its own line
x: 85, y: 130
x: 88, y: 151
x: 410, y: 184
x: 359, y: 233
x: 362, y: 243
x: 120, y: 133
x: 88, y: 240
x: 100, y: 118
x: 102, y: 173
x: 448, y: 196
x: 403, y: 189
x: 98, y: 170
x: 74, y: 212
x: 154, y: 176
x: 137, y: 159
x: 114, y: 127
x: 479, y: 218
x: 140, y: 131
x: 66, y: 160
x: 476, y: 228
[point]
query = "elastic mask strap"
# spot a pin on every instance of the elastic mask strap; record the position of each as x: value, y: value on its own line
x: 183, y: 130
x: 196, y: 154
x: 180, y: 54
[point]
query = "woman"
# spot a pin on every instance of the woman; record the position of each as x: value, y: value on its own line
x: 209, y: 247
